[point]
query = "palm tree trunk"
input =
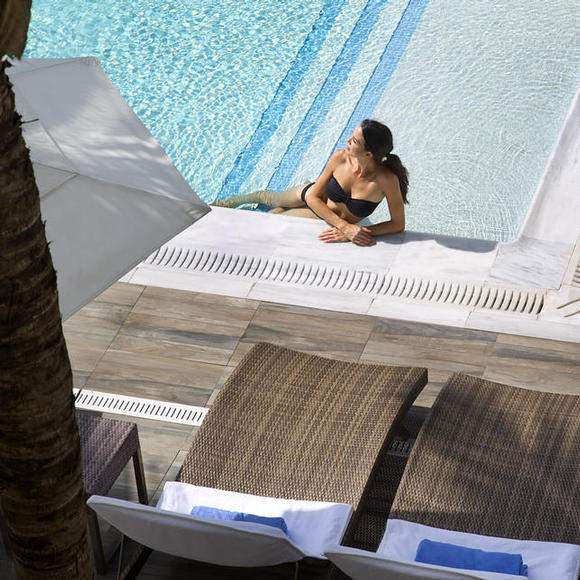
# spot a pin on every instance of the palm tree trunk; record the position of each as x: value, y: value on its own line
x: 41, y: 491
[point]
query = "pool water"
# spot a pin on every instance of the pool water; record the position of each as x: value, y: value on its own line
x: 255, y: 94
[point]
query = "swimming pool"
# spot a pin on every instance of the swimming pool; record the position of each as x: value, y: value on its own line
x: 249, y: 94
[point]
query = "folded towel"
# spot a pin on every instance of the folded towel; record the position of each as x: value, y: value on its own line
x: 441, y: 554
x: 215, y: 513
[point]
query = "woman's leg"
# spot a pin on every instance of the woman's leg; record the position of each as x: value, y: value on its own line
x: 304, y: 212
x: 286, y: 199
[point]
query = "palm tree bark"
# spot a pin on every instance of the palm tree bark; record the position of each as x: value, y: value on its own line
x: 41, y: 491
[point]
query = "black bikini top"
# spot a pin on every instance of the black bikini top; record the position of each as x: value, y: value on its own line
x: 358, y: 207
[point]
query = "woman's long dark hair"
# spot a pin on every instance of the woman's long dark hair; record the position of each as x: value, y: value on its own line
x: 379, y: 141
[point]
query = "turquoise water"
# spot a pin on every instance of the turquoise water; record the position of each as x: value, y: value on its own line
x: 246, y: 94
x: 197, y: 73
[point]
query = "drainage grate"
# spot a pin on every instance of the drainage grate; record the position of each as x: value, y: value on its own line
x: 401, y: 447
x: 576, y: 276
x: 468, y: 294
x: 136, y: 407
x: 473, y: 295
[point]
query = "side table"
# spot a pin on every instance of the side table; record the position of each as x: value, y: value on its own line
x: 107, y: 446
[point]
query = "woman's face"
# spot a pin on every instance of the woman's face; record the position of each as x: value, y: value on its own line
x: 356, y: 144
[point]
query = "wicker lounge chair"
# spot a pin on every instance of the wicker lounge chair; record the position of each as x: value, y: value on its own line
x: 491, y: 460
x: 292, y: 425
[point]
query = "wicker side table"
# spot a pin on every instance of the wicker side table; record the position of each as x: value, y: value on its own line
x: 107, y: 446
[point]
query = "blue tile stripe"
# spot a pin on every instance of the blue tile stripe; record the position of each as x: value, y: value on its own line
x: 280, y: 180
x: 384, y: 70
x: 248, y: 158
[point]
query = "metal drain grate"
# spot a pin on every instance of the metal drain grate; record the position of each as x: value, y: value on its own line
x: 473, y: 295
x: 576, y: 276
x: 137, y: 407
x: 401, y: 447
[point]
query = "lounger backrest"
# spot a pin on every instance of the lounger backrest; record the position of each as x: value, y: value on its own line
x: 293, y: 425
x: 362, y: 565
x: 214, y: 541
x: 496, y: 460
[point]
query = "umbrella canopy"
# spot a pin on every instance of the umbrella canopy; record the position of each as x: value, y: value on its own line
x: 108, y: 192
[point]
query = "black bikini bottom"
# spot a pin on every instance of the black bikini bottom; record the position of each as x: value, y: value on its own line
x: 303, y: 194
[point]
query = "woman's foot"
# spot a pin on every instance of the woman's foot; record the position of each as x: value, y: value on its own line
x: 226, y: 202
x: 260, y: 196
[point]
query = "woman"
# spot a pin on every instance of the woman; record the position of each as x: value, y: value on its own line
x: 352, y: 185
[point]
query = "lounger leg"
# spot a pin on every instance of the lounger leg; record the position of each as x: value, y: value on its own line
x: 136, y: 559
x: 140, y: 476
x: 120, y: 565
x: 96, y: 543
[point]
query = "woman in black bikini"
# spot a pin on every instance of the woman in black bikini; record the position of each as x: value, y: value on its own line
x: 352, y: 185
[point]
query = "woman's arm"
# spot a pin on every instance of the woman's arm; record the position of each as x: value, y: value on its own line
x: 397, y: 222
x: 315, y: 199
x: 395, y: 225
x: 397, y: 210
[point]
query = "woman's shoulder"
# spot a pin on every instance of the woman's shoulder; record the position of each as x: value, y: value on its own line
x: 388, y: 182
x: 338, y: 157
x: 386, y: 177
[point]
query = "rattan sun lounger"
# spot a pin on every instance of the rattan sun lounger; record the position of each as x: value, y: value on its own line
x: 494, y: 460
x: 292, y: 425
x: 296, y: 425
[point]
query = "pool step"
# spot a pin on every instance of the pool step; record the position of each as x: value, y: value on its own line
x: 343, y: 66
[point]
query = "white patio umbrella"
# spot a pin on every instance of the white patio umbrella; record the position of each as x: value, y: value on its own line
x: 109, y: 193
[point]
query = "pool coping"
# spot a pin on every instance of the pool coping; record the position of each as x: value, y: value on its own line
x: 411, y: 276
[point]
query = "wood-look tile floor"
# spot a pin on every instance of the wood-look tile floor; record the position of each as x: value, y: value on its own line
x: 181, y: 346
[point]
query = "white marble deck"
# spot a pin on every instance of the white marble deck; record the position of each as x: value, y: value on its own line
x: 526, y: 287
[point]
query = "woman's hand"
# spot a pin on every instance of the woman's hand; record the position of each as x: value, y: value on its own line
x: 358, y: 235
x: 332, y: 235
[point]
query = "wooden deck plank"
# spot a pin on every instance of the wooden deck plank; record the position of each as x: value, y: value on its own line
x: 324, y: 332
x: 195, y: 306
x: 121, y: 293
x: 179, y: 338
x: 156, y: 377
x: 429, y: 345
x: 535, y: 363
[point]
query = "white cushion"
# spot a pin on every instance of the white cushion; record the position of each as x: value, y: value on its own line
x: 312, y: 525
x: 544, y: 559
x: 362, y: 565
x: 394, y: 559
x: 168, y: 528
